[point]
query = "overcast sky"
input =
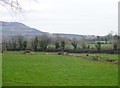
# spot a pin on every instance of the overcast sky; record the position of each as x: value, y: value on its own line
x: 87, y: 17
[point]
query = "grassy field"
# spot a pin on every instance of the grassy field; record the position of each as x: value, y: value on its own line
x: 49, y: 69
x: 103, y: 46
x: 69, y: 46
x: 0, y: 70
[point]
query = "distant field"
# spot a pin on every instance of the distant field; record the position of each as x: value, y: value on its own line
x: 104, y: 46
x: 69, y: 46
x: 50, y: 69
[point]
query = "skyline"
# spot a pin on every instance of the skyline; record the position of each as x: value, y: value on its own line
x: 98, y: 17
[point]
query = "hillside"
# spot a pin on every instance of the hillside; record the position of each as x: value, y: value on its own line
x: 16, y: 28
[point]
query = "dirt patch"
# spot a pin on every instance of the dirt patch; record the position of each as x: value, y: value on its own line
x: 116, y: 62
x: 97, y: 58
x: 91, y: 57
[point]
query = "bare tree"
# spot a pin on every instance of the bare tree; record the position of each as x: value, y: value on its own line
x: 60, y: 42
x: 35, y: 44
x: 13, y: 5
x: 44, y: 41
x: 57, y: 44
x: 24, y: 45
x: 74, y: 43
x: 98, y: 46
x: 85, y: 43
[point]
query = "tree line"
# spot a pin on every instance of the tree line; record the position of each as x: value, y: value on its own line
x: 44, y: 42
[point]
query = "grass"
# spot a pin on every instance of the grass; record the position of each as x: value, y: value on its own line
x: 46, y: 69
x: 0, y: 70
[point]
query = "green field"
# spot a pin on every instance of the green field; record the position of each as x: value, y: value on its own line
x: 50, y: 69
x: 69, y: 46
x: 0, y: 69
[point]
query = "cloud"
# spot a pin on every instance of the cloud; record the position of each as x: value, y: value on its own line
x: 69, y: 16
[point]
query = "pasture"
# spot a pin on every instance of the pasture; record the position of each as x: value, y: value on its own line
x: 0, y: 69
x: 50, y: 69
x: 79, y: 46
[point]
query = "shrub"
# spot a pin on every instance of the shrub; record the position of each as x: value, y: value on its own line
x: 26, y: 51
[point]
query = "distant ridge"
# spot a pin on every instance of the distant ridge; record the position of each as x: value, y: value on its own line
x: 16, y: 28
x: 75, y: 35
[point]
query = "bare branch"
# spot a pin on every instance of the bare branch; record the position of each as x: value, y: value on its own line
x: 13, y: 5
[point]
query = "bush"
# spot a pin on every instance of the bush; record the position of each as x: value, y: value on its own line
x: 26, y: 51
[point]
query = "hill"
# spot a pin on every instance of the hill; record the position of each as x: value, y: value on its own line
x: 16, y: 28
